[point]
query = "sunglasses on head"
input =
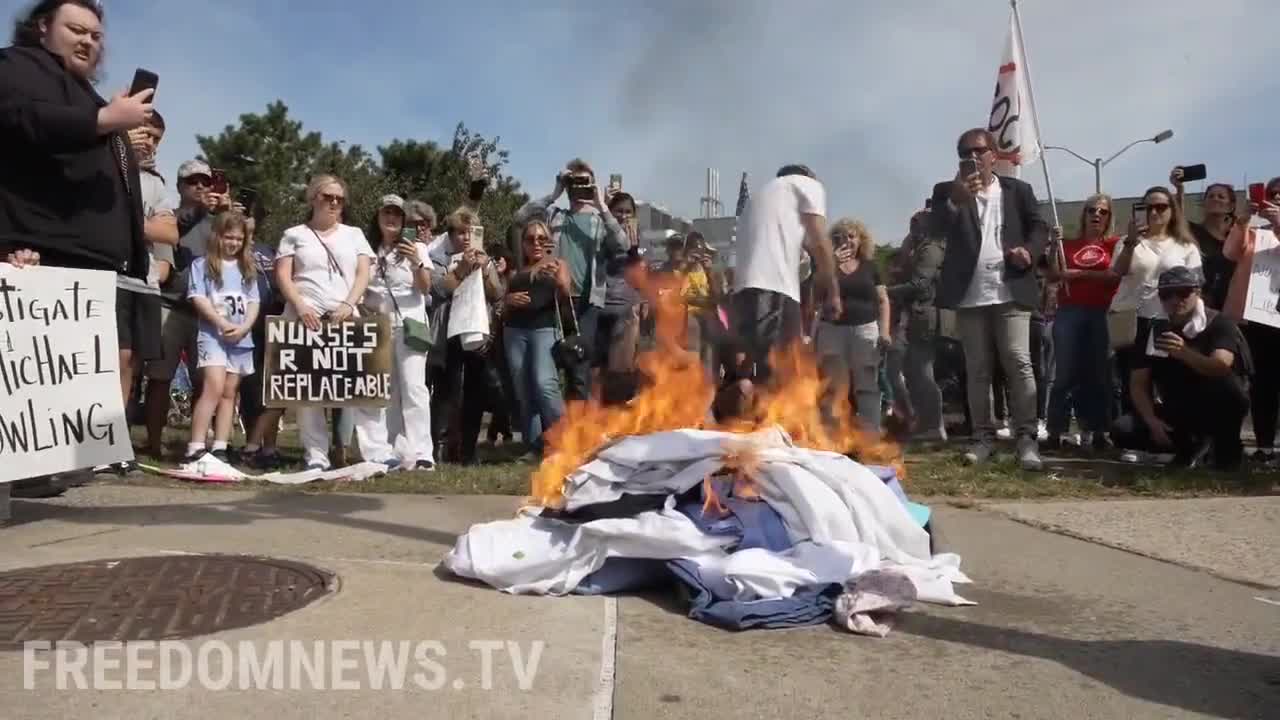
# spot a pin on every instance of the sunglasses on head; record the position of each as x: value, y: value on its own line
x: 1180, y: 293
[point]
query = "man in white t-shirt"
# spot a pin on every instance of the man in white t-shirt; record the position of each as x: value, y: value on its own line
x: 781, y: 223
x: 994, y: 237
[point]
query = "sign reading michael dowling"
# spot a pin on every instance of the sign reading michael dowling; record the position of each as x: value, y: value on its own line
x: 60, y: 406
x: 341, y: 364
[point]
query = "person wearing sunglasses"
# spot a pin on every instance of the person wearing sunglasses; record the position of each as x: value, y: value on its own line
x: 1246, y: 239
x: 1082, y: 374
x: 1157, y: 240
x: 1219, y: 206
x: 530, y: 332
x: 995, y: 236
x: 322, y: 270
x: 1196, y: 361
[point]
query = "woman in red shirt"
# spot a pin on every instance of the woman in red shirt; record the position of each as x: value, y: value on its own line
x: 1080, y: 339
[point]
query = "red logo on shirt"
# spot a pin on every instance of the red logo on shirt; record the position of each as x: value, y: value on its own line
x: 1089, y: 256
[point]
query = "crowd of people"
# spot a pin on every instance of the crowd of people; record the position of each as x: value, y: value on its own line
x: 1047, y: 324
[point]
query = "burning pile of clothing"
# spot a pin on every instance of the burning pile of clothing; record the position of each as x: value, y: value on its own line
x: 754, y: 531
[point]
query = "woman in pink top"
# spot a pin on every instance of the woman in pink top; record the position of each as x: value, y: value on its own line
x: 1242, y: 245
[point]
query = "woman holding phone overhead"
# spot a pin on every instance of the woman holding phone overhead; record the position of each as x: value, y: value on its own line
x: 1244, y: 242
x: 398, y: 288
x: 322, y: 270
x: 1157, y: 240
x: 1211, y: 233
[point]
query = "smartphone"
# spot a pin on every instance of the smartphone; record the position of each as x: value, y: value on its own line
x: 1257, y: 193
x: 968, y: 166
x: 1192, y: 173
x: 247, y: 197
x: 219, y: 181
x: 477, y: 237
x: 144, y: 80
x: 409, y: 234
x: 1159, y: 326
x: 1140, y: 214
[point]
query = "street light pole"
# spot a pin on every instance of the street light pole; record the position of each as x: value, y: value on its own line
x: 1098, y: 163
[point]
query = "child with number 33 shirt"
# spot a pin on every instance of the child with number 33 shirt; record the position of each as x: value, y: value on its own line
x: 224, y: 291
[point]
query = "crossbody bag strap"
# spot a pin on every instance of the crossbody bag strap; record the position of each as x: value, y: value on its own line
x: 382, y: 267
x: 332, y: 260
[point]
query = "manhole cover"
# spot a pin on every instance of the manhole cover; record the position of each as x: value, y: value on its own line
x: 151, y: 598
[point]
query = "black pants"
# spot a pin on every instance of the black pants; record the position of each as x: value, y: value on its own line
x: 1125, y: 358
x: 461, y: 397
x: 1213, y: 410
x: 763, y: 321
x: 1264, y: 392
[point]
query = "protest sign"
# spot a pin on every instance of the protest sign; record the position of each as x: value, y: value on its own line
x: 1264, y: 288
x: 59, y: 372
x: 344, y: 364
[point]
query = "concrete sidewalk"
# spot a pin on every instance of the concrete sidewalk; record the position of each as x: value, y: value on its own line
x: 1065, y: 628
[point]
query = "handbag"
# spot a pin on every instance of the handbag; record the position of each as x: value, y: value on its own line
x: 416, y: 333
x: 569, y: 351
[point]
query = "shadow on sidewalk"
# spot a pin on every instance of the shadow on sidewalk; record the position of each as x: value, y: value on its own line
x: 333, y: 509
x: 1193, y: 677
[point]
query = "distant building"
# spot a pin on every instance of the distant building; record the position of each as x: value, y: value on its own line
x: 1122, y: 210
x: 656, y: 224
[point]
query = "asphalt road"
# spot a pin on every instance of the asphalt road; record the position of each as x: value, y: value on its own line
x: 1065, y: 628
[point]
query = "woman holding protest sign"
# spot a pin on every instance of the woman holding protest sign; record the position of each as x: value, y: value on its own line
x: 322, y: 270
x: 401, y: 280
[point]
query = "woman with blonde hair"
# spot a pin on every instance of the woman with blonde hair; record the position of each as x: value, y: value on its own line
x: 1158, y: 240
x: 849, y: 346
x: 322, y: 270
x: 1082, y: 375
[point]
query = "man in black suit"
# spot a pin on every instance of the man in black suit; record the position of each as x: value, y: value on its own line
x: 994, y: 238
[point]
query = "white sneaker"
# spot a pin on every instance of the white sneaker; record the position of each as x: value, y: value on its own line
x: 1004, y: 433
x: 1029, y: 455
x: 1042, y: 433
x: 1131, y: 456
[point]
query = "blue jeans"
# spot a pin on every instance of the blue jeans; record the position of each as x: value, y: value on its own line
x: 535, y: 379
x: 1083, y: 375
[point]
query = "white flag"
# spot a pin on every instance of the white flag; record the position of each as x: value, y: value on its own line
x: 1012, y: 117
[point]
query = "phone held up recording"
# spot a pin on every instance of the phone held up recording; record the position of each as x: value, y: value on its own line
x: 1257, y: 193
x: 144, y: 80
x: 1159, y: 326
x: 1192, y: 173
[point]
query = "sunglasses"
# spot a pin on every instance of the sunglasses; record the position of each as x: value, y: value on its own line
x: 1180, y: 293
x: 973, y: 152
x: 199, y: 180
x: 331, y: 199
x: 1157, y: 208
x: 1101, y: 212
x: 539, y: 239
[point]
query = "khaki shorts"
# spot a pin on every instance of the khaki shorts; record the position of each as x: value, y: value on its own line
x: 177, y: 333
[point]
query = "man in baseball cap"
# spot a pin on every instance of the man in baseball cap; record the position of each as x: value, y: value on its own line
x: 1199, y: 364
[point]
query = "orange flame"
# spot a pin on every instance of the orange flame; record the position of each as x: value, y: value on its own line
x: 678, y: 395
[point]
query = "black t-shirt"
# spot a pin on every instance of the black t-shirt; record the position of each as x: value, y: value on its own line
x: 1172, y: 377
x: 541, y: 310
x: 1217, y: 268
x: 858, y: 294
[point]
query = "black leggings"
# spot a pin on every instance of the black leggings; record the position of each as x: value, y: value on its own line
x: 1264, y: 392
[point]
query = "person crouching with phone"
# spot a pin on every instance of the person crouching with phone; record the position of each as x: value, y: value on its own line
x: 1197, y: 362
x: 398, y: 288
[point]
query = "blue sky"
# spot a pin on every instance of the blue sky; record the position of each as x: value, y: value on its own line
x: 870, y: 94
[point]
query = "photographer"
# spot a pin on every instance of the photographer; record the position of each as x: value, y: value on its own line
x: 585, y: 237
x: 1198, y: 363
x: 995, y: 237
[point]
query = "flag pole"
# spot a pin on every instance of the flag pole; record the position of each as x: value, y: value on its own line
x: 1035, y: 115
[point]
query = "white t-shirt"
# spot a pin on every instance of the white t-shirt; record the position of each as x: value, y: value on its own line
x: 399, y: 277
x: 987, y: 286
x: 1152, y: 256
x: 318, y: 280
x: 155, y: 203
x: 771, y: 235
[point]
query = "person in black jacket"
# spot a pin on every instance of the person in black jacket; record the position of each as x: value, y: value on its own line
x: 994, y: 237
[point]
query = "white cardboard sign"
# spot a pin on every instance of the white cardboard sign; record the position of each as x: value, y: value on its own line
x: 60, y: 405
x: 1260, y: 304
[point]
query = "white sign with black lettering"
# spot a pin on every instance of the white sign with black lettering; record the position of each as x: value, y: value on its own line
x: 60, y: 404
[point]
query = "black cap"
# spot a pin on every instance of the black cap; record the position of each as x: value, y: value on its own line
x: 1180, y: 277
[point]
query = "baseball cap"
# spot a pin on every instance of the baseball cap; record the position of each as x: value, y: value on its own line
x: 1180, y: 277
x: 392, y: 200
x: 194, y: 167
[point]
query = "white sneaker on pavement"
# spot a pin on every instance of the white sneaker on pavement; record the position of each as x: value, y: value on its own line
x: 1004, y: 433
x: 1042, y: 433
x: 1029, y: 455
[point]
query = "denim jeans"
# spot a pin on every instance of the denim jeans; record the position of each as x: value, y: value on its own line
x: 1083, y: 377
x: 535, y: 379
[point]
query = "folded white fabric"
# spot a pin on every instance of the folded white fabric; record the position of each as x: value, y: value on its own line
x: 531, y: 554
